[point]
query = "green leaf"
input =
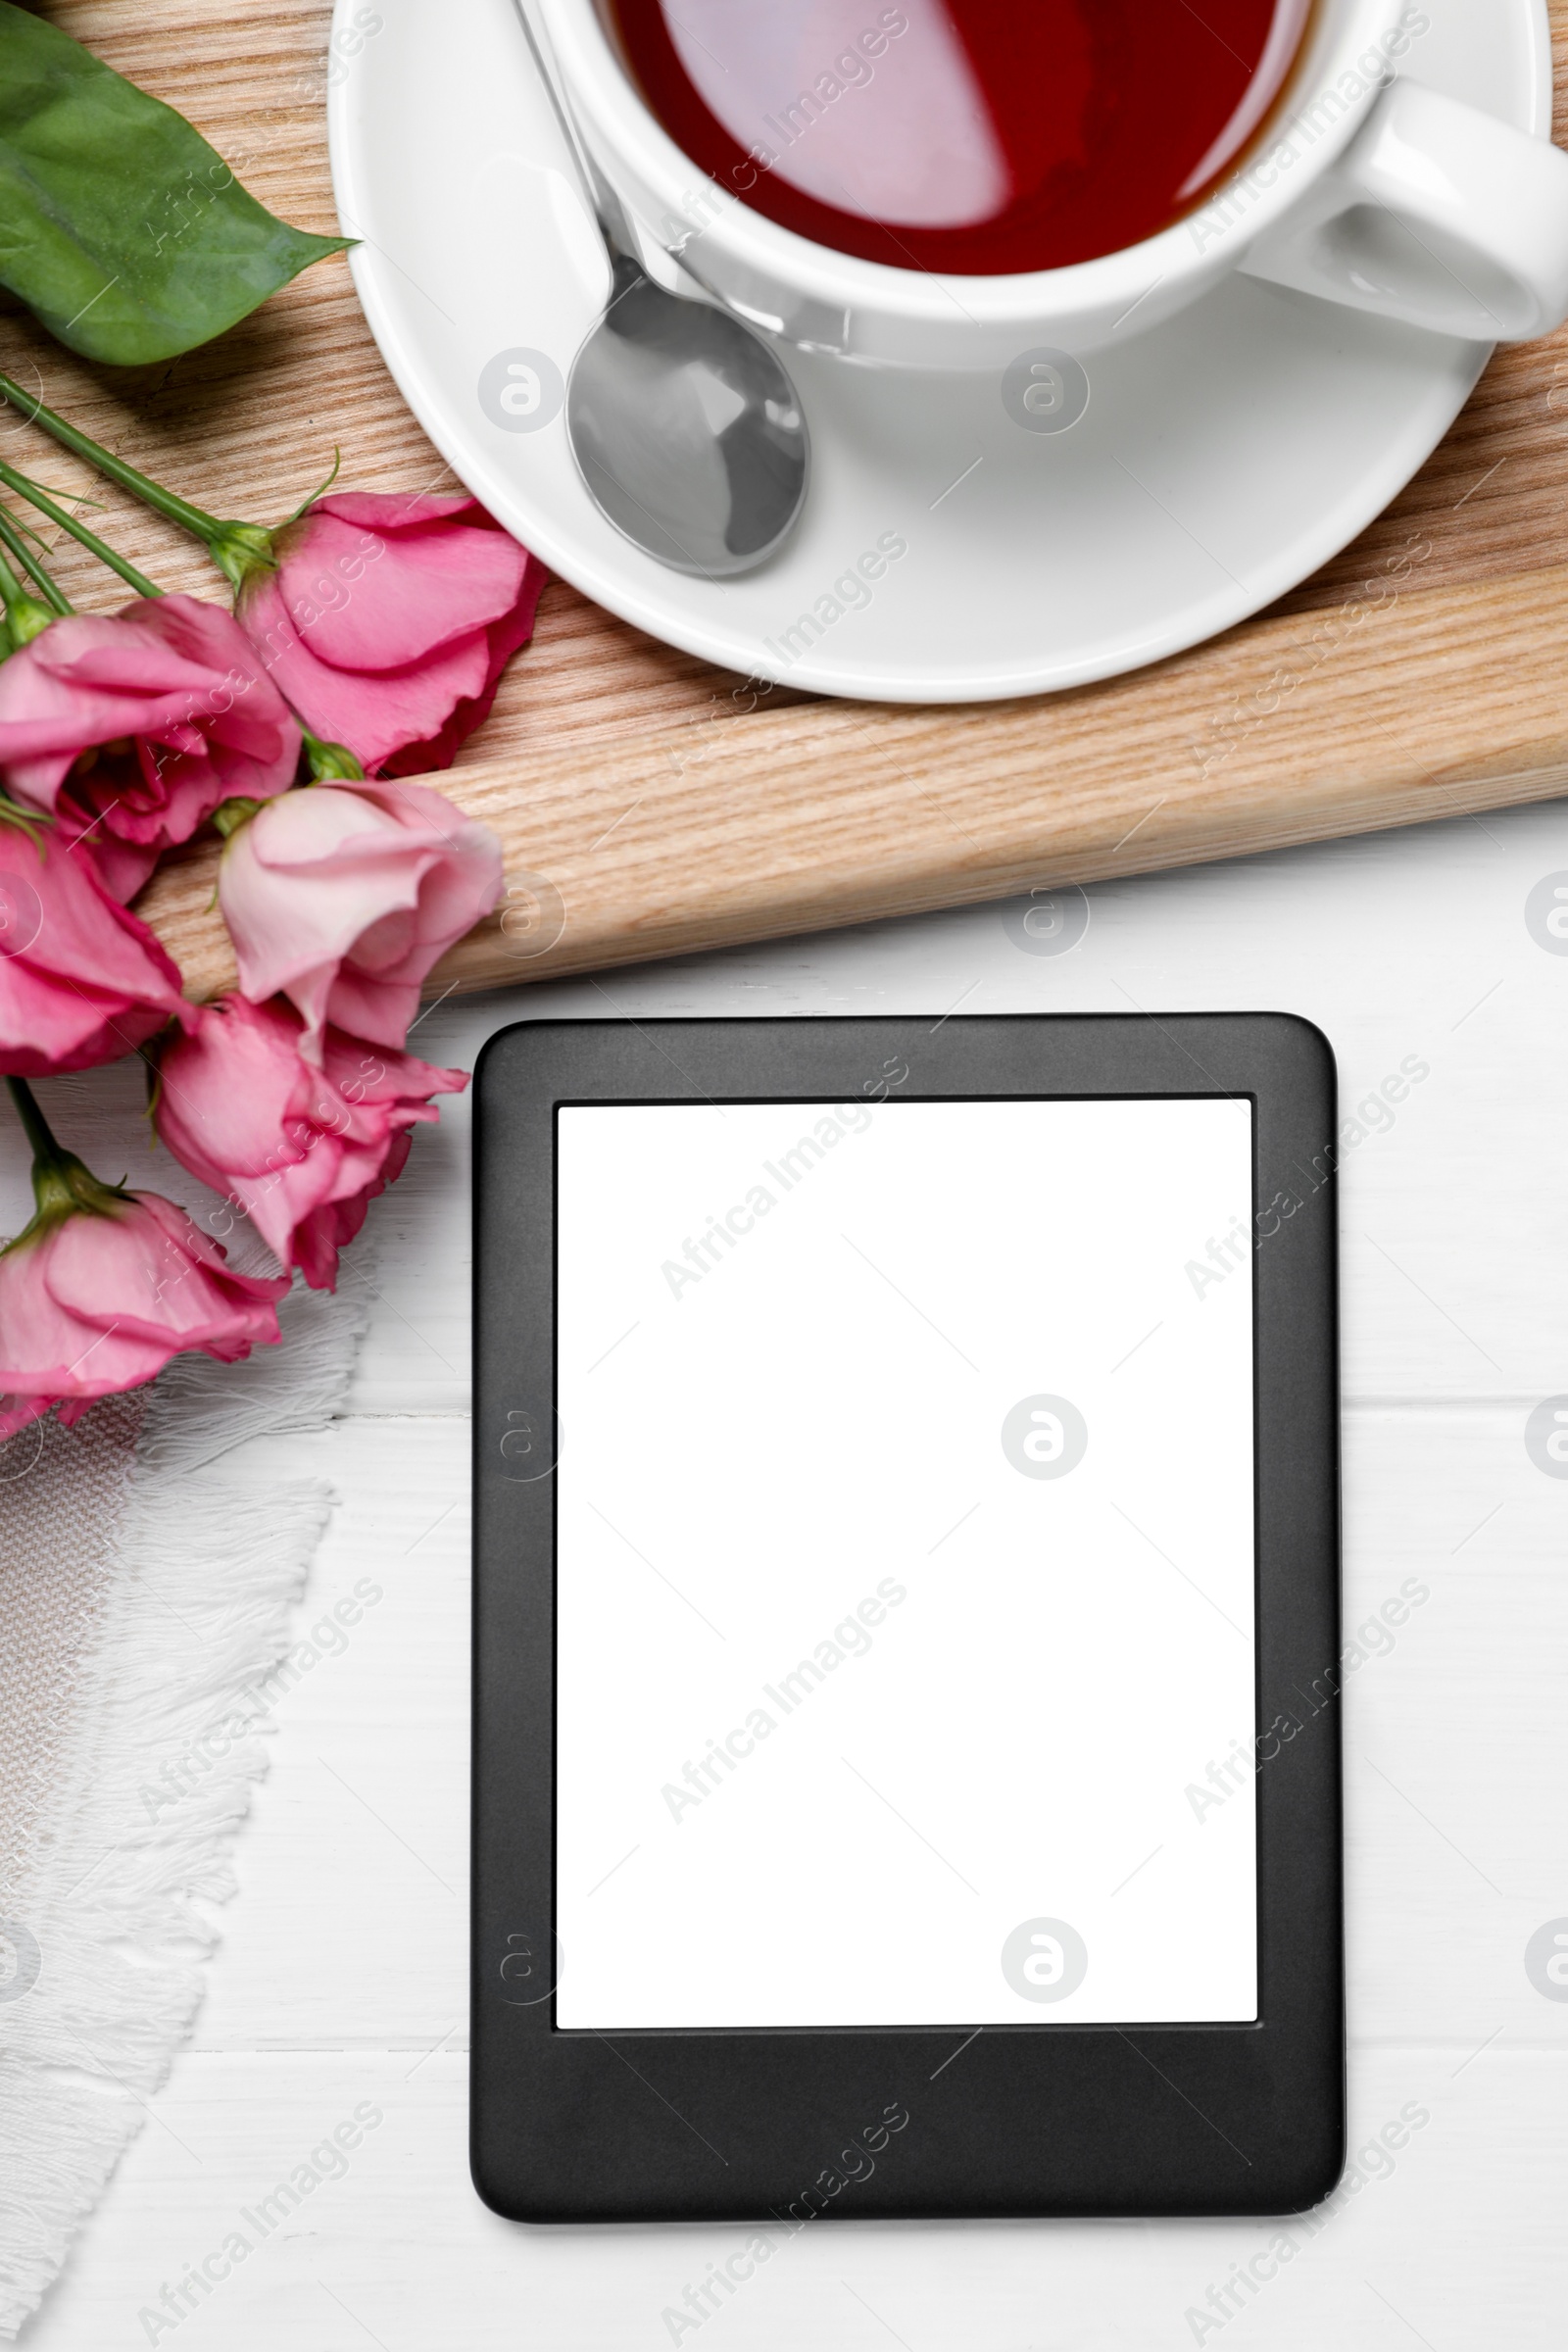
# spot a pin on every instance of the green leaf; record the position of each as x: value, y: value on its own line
x: 126, y: 235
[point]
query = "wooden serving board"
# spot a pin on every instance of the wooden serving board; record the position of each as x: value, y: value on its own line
x: 1424, y: 673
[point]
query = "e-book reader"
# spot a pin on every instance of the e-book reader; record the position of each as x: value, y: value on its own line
x: 907, y: 1523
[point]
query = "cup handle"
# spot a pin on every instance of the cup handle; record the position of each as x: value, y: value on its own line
x: 1437, y: 214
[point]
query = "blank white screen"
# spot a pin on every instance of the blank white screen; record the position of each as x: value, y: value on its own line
x: 855, y: 1705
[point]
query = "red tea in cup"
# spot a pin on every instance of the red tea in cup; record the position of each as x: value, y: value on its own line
x: 973, y: 136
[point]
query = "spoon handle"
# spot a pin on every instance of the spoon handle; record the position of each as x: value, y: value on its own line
x: 605, y: 205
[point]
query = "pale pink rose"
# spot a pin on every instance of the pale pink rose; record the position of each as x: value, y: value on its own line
x: 130, y: 727
x: 389, y: 620
x: 103, y: 1288
x: 342, y: 897
x: 300, y: 1150
x: 82, y: 981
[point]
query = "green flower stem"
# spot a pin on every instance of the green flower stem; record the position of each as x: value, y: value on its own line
x: 177, y: 509
x: 61, y: 1182
x: 26, y: 618
x: 89, y: 539
x: 236, y: 548
x: 33, y: 563
x: 34, y: 1124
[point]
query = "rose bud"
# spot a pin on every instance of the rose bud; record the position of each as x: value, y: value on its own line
x: 388, y: 621
x: 300, y: 1150
x: 105, y: 1286
x: 342, y: 897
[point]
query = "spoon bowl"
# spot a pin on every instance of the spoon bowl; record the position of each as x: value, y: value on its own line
x: 684, y: 425
x: 686, y: 430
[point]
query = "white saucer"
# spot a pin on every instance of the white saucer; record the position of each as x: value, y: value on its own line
x: 1221, y: 460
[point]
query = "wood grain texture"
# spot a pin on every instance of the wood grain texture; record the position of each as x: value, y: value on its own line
x: 1419, y: 674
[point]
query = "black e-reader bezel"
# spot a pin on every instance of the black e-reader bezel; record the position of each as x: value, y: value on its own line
x: 1022, y: 2120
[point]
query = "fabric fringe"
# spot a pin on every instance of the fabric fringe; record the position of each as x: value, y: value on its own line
x: 154, y: 1774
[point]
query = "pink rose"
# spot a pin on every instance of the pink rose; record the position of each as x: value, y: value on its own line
x: 389, y: 620
x: 103, y: 1288
x: 131, y: 727
x: 300, y: 1150
x: 342, y: 897
x: 82, y: 981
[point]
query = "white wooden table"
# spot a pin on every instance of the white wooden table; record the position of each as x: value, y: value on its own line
x: 341, y: 1978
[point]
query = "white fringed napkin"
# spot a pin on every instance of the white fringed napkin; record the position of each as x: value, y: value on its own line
x: 145, y: 1591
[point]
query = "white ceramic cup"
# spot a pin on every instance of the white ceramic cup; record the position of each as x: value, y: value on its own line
x: 1370, y: 190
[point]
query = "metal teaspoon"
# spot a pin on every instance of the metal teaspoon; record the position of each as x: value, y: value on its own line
x: 686, y: 430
